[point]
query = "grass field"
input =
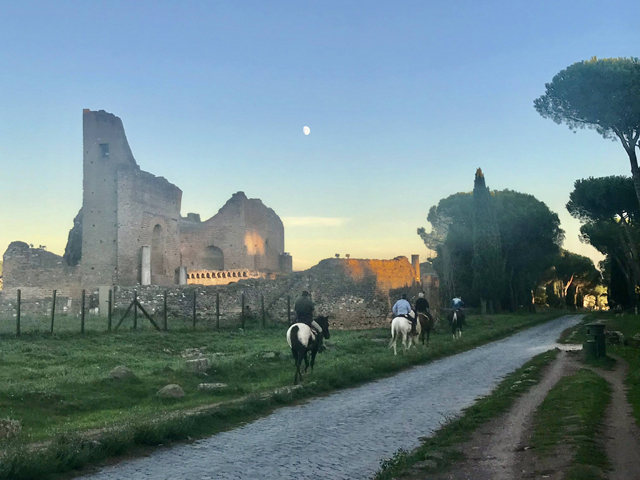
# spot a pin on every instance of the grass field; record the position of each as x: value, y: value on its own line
x: 59, y: 386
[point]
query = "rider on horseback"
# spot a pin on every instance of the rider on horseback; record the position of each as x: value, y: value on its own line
x: 422, y: 305
x: 402, y: 308
x: 304, y: 312
x: 456, y: 306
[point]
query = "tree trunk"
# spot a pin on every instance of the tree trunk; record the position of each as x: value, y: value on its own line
x: 635, y: 171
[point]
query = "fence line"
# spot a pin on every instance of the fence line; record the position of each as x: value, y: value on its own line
x: 63, y: 321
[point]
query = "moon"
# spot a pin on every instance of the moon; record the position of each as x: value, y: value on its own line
x: 306, y: 130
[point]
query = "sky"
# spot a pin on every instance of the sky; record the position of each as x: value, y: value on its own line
x: 404, y: 100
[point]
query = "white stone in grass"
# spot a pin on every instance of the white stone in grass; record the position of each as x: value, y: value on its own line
x: 171, y: 391
x: 197, y: 365
x: 206, y: 387
x: 9, y: 428
x: 121, y: 372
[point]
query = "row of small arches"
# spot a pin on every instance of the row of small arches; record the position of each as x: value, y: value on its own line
x: 218, y: 275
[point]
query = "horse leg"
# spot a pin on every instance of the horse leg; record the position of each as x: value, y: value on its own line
x: 306, y: 361
x: 313, y: 357
x: 298, y: 372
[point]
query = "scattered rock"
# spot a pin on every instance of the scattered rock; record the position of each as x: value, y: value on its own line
x: 192, y: 352
x: 197, y: 365
x: 269, y: 355
x: 633, y: 341
x: 437, y: 455
x: 171, y: 391
x: 205, y: 387
x: 614, y: 337
x: 9, y: 428
x: 286, y: 390
x: 425, y: 464
x: 121, y: 372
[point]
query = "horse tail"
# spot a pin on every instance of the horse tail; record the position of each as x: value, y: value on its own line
x: 393, y: 335
x: 296, y: 344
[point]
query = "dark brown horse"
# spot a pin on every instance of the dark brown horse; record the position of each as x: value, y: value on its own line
x: 426, y: 325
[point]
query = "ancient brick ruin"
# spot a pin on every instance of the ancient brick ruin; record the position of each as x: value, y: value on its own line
x: 129, y: 230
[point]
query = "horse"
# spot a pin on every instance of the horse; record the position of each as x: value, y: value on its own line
x: 302, y: 340
x: 427, y: 323
x: 456, y: 321
x: 401, y: 328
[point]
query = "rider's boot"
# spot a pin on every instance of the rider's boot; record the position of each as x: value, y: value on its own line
x: 413, y: 328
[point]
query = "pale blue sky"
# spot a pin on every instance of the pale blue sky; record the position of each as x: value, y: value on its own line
x: 402, y: 96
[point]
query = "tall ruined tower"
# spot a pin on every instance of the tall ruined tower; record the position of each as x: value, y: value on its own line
x: 105, y: 148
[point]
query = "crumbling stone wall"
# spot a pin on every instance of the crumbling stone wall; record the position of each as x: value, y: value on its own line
x: 148, y: 214
x: 355, y: 293
x: 247, y: 234
x: 37, y: 273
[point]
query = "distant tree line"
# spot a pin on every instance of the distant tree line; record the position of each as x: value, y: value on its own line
x: 502, y: 249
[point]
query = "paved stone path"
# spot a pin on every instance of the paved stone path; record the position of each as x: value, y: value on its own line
x: 345, y: 435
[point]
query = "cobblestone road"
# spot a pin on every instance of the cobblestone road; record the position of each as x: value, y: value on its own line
x: 345, y: 435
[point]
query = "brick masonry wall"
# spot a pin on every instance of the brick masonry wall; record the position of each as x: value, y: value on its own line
x: 250, y: 235
x: 37, y: 272
x: 145, y: 202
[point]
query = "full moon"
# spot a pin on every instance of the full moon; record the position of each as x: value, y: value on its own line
x: 306, y: 130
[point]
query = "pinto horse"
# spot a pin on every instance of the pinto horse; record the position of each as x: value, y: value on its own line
x: 456, y: 321
x: 426, y: 322
x: 304, y: 340
x: 401, y: 329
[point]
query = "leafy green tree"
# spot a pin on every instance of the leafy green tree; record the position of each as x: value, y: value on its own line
x: 608, y: 208
x: 529, y: 234
x: 602, y: 94
x: 451, y: 237
x: 574, y: 273
x: 487, y: 264
x: 531, y: 238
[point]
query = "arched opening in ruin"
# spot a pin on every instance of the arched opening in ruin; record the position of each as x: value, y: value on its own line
x: 197, y: 275
x: 244, y: 274
x: 208, y: 275
x: 212, y: 258
x: 157, y: 252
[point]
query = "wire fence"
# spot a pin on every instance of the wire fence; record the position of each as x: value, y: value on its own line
x: 193, y: 309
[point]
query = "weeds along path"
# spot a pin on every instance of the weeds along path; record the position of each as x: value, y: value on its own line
x: 621, y: 430
x: 345, y: 435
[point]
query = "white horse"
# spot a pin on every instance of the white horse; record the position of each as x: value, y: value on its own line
x: 302, y: 340
x: 401, y: 328
x: 457, y: 319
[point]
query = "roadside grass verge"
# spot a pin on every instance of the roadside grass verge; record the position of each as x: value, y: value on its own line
x: 571, y: 417
x: 440, y: 451
x: 74, y: 415
x: 629, y: 325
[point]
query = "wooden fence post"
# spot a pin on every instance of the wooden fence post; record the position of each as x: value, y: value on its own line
x: 109, y: 309
x: 242, y: 314
x: 264, y: 319
x: 82, y: 314
x: 135, y: 309
x: 18, y: 314
x: 289, y: 309
x: 165, y: 312
x: 194, y: 309
x: 218, y: 310
x: 53, y: 309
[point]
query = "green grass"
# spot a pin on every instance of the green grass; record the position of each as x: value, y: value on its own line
x: 442, y: 446
x: 629, y: 325
x: 59, y: 387
x: 571, y: 416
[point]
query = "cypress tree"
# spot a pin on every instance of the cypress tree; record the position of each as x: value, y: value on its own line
x: 487, y: 264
